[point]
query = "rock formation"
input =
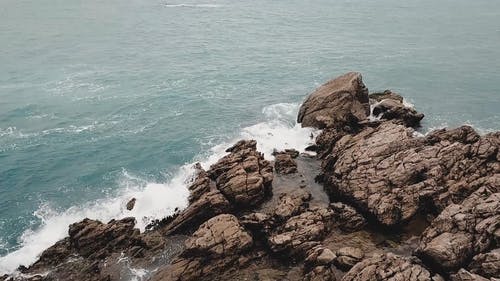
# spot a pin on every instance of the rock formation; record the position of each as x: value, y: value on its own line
x: 398, y: 206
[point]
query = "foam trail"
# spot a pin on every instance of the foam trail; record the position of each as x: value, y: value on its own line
x: 157, y: 200
x: 192, y: 5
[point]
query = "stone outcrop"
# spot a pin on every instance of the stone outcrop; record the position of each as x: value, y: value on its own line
x: 487, y: 264
x: 302, y: 232
x: 216, y: 245
x: 347, y: 257
x: 388, y: 173
x: 464, y: 275
x: 208, y: 205
x: 401, y: 206
x: 291, y: 204
x: 391, y: 106
x: 464, y: 230
x: 284, y: 164
x: 347, y: 218
x: 390, y: 267
x: 339, y: 102
x: 243, y: 176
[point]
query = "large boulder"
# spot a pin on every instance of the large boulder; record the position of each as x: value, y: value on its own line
x: 347, y: 218
x: 391, y: 174
x: 487, y: 264
x: 390, y: 106
x: 216, y: 245
x: 390, y: 267
x: 291, y: 204
x: 302, y: 232
x: 208, y: 205
x: 463, y: 231
x: 284, y: 164
x: 243, y: 176
x: 341, y: 101
x: 94, y: 239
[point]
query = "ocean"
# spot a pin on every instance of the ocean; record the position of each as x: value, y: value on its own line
x: 102, y: 101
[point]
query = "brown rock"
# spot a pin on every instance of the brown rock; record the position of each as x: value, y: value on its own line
x: 208, y: 205
x: 463, y: 231
x: 341, y: 101
x: 464, y: 275
x: 318, y: 256
x: 243, y: 176
x: 284, y: 164
x: 392, y: 109
x: 302, y: 232
x: 291, y: 204
x: 347, y: 257
x: 389, y: 267
x: 386, y: 95
x: 130, y: 204
x: 94, y: 239
x: 216, y: 245
x: 347, y: 218
x: 387, y: 172
x: 487, y: 264
x: 201, y: 185
x: 320, y: 273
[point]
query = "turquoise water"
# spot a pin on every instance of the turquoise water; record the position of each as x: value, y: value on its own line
x: 101, y: 101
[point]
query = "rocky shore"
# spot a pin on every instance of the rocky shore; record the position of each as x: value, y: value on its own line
x: 378, y: 201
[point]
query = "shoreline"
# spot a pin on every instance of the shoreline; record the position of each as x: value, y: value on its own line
x: 331, y: 213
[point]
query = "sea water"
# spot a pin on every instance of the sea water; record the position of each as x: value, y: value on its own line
x: 102, y: 101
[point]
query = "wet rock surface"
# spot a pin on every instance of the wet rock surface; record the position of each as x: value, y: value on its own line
x: 341, y: 101
x: 465, y: 230
x: 390, y: 267
x: 379, y: 201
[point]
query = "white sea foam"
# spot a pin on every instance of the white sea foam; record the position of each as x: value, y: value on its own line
x: 156, y: 200
x: 192, y: 5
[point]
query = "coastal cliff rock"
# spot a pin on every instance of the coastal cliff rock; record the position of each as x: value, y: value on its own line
x: 243, y: 176
x: 284, y: 163
x: 216, y: 245
x: 341, y: 101
x: 390, y: 106
x: 390, y: 267
x: 465, y: 230
x: 302, y: 232
x: 390, y: 174
x: 380, y: 201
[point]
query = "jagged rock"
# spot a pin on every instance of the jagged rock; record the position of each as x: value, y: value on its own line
x: 243, y: 176
x: 284, y: 164
x: 463, y: 231
x: 319, y: 256
x: 393, y: 109
x: 327, y: 139
x: 487, y: 264
x: 339, y: 102
x: 94, y: 239
x: 290, y: 151
x: 385, y: 95
x: 259, y: 223
x: 208, y: 205
x: 302, y: 232
x: 464, y: 275
x: 201, y: 185
x: 347, y: 257
x: 389, y: 267
x: 216, y: 244
x: 291, y: 204
x: 388, y: 173
x: 221, y: 235
x: 347, y: 218
x: 320, y: 273
x: 130, y: 204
